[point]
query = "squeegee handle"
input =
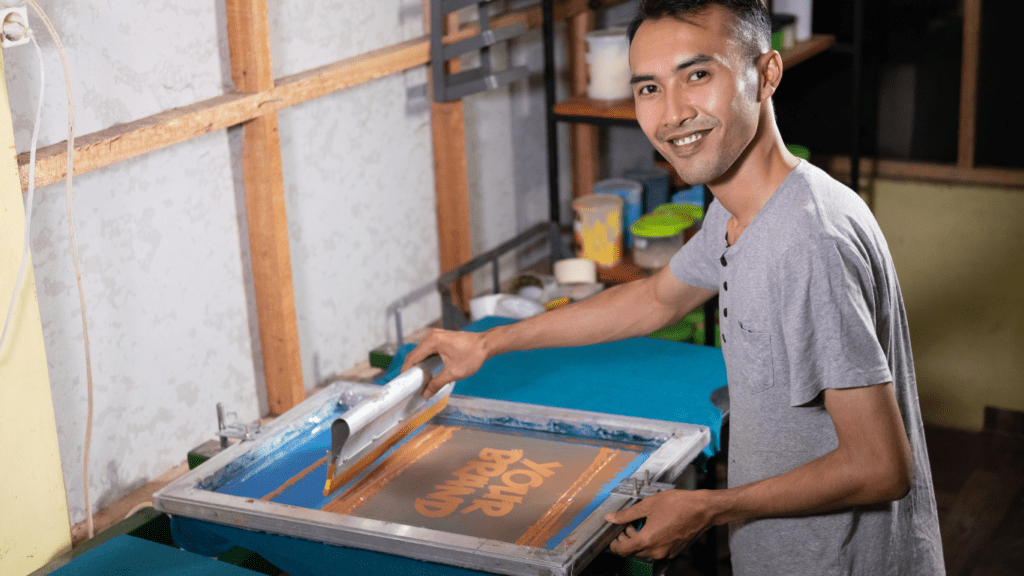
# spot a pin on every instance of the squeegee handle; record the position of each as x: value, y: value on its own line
x: 400, y: 389
x: 432, y: 365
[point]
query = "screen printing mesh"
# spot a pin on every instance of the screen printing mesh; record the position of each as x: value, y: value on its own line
x: 486, y: 481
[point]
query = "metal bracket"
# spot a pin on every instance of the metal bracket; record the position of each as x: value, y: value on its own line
x: 449, y: 87
x: 453, y: 318
x: 240, y: 432
x: 637, y: 488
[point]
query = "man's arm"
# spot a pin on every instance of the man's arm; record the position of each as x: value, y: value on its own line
x: 628, y: 310
x: 873, y: 463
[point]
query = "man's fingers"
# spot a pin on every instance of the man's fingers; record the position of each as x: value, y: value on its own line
x: 635, y: 512
x: 434, y: 385
x: 628, y: 542
x: 417, y: 354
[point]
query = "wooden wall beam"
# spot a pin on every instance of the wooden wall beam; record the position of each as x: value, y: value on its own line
x: 451, y: 179
x: 249, y: 45
x: 582, y: 137
x: 969, y: 83
x: 124, y: 141
x: 839, y: 165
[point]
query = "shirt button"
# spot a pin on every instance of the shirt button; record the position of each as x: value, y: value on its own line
x: 723, y: 338
x: 725, y: 285
x: 725, y: 311
x: 722, y: 260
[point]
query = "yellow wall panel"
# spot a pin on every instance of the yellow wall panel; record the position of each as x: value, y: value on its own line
x: 33, y: 507
x: 959, y: 254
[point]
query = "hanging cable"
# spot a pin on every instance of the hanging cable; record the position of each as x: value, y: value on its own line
x: 29, y: 196
x: 74, y: 254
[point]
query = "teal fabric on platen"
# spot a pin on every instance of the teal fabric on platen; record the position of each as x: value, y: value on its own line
x: 131, y: 556
x: 644, y: 377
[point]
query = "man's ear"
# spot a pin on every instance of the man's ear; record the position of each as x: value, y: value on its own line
x: 769, y: 66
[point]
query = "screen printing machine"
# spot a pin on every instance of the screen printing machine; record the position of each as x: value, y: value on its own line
x: 512, y: 474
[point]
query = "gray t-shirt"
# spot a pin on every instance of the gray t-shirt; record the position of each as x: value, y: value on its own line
x: 808, y: 300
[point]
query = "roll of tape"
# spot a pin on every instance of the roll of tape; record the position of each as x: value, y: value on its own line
x: 575, y: 270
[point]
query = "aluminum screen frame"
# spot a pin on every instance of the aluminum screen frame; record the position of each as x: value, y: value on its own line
x: 681, y: 444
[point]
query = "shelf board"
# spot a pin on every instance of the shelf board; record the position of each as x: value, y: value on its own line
x: 623, y: 272
x: 584, y: 107
x: 813, y: 46
x: 588, y: 107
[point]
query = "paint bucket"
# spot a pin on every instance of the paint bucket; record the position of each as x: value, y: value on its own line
x: 632, y: 194
x: 658, y: 237
x: 608, y: 57
x: 695, y: 214
x: 598, y: 228
x: 802, y: 10
x: 694, y: 196
x: 783, y: 31
x: 799, y: 151
x: 656, y: 185
x: 687, y: 210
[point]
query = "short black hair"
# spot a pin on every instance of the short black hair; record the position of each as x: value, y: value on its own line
x: 752, y: 15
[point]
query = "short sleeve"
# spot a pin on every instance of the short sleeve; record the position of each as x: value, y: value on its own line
x: 695, y: 263
x: 828, y: 308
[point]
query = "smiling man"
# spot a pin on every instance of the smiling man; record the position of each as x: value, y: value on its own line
x: 828, y: 471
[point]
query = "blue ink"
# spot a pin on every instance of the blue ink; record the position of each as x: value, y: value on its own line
x: 279, y: 458
x: 599, y: 499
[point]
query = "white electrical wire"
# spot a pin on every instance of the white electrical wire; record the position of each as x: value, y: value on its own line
x: 31, y: 193
x: 137, y: 508
x: 74, y: 253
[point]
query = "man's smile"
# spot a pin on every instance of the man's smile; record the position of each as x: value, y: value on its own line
x: 685, y: 143
x: 682, y: 141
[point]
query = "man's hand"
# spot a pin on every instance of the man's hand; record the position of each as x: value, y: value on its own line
x: 463, y: 354
x: 674, y: 519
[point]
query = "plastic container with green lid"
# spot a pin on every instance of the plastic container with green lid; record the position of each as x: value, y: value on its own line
x: 799, y: 151
x: 657, y: 237
x: 688, y: 210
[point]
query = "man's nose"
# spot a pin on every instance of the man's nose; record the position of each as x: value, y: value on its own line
x: 678, y: 109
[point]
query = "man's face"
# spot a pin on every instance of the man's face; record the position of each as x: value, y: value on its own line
x: 695, y: 92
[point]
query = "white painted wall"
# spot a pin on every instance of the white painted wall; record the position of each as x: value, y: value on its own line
x: 163, y: 238
x: 159, y: 245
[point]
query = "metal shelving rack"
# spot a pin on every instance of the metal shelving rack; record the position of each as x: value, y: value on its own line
x: 580, y: 109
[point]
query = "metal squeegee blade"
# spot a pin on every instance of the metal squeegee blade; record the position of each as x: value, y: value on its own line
x: 335, y: 482
x: 340, y: 432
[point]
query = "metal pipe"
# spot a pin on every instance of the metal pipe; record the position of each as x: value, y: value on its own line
x: 530, y: 234
x: 221, y: 425
x: 554, y: 208
x: 858, y: 23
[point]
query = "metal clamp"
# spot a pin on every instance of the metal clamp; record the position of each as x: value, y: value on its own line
x: 449, y: 87
x: 637, y: 488
x: 240, y: 432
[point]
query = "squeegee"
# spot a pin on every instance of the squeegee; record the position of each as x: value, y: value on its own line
x: 372, y: 427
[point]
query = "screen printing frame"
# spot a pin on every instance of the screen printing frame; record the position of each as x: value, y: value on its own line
x: 681, y: 443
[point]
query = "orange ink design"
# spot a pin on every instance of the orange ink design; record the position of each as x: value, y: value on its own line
x: 547, y: 525
x: 394, y: 465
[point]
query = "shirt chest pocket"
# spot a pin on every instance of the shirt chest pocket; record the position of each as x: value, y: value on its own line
x: 754, y: 352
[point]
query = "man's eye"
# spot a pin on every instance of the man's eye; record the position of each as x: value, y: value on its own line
x: 699, y: 74
x: 647, y: 89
